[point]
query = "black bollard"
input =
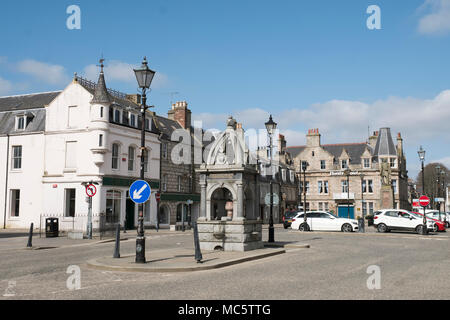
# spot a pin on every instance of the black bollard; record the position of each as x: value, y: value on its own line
x: 198, y: 253
x: 30, y: 237
x: 117, y: 248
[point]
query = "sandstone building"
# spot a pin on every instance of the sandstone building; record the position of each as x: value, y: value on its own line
x: 327, y: 181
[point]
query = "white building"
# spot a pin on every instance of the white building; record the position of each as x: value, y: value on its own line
x: 50, y: 143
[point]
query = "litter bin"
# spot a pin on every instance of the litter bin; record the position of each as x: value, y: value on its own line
x: 51, y: 227
x: 369, y: 220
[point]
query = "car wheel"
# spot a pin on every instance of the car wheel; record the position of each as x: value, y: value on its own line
x: 435, y: 228
x: 447, y: 225
x: 285, y: 226
x: 347, y: 228
x: 419, y: 229
x: 303, y: 227
x: 382, y: 228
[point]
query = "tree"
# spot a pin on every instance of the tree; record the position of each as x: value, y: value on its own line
x: 434, y: 183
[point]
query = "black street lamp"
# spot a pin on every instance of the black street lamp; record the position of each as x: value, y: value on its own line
x: 421, y: 154
x: 347, y: 173
x: 437, y: 168
x: 362, y: 225
x: 271, y: 127
x: 300, y: 186
x: 144, y: 77
x: 304, y: 167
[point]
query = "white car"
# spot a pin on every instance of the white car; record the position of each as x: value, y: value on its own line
x: 434, y: 214
x: 398, y: 219
x: 323, y: 221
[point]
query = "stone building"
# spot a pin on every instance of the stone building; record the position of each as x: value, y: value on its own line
x: 51, y: 143
x: 179, y: 182
x: 285, y: 182
x: 359, y: 190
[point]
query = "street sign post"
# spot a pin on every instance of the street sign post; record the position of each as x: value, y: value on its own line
x: 91, y: 190
x: 140, y: 192
x: 424, y: 201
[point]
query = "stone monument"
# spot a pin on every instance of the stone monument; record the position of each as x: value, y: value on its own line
x: 228, y: 218
x: 387, y: 192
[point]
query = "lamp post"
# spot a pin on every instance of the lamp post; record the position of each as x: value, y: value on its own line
x: 271, y: 127
x: 421, y: 154
x: 347, y: 173
x: 144, y: 77
x: 437, y: 168
x: 363, y: 224
x: 300, y: 186
x: 304, y: 167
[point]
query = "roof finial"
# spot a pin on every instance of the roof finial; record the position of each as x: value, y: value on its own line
x: 101, y: 64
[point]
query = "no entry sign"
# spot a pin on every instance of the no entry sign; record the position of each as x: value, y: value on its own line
x: 424, y: 201
x: 91, y: 190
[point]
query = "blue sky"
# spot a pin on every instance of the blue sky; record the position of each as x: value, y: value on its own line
x: 313, y: 64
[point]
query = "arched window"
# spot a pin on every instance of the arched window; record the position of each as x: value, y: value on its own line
x: 115, y: 156
x: 131, y: 158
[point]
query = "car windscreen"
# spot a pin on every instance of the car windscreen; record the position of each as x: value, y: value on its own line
x: 290, y: 214
x: 415, y: 214
x: 331, y: 214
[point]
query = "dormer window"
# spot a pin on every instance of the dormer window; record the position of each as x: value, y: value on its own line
x: 132, y: 120
x: 117, y: 115
x: 23, y: 120
x: 344, y: 164
x: 366, y: 162
x: 20, y: 122
x: 392, y: 162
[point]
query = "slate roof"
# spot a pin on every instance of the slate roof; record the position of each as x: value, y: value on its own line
x: 355, y: 150
x: 166, y: 126
x: 114, y: 96
x: 31, y: 105
x: 101, y: 94
x: 26, y: 102
x: 385, y: 145
x: 8, y: 122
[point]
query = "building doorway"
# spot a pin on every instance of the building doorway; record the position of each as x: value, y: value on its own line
x: 346, y: 212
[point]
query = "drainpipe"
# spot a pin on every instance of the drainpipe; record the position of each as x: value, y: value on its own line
x: 6, y: 180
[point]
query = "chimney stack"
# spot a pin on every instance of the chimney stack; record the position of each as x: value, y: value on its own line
x: 135, y: 98
x: 281, y: 144
x: 313, y: 138
x: 181, y: 114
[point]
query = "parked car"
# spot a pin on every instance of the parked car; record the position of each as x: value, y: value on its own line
x: 434, y: 214
x: 438, y: 226
x: 323, y: 221
x: 398, y: 219
x: 287, y: 218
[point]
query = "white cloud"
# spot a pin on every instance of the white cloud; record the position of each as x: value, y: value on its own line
x: 5, y: 86
x: 445, y: 161
x: 122, y: 72
x: 52, y: 74
x: 420, y: 121
x: 437, y: 20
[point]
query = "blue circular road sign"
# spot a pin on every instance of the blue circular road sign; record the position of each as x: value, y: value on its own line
x: 140, y: 191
